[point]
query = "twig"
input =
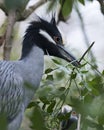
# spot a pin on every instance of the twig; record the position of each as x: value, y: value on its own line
x: 84, y: 32
x: 30, y: 10
x: 86, y: 52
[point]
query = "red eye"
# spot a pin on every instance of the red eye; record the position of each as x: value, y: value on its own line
x: 57, y: 39
x: 74, y: 113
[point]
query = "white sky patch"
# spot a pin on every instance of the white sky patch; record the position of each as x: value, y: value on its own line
x: 46, y: 35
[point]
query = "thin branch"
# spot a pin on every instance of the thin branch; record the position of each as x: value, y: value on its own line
x: 84, y: 33
x: 30, y: 10
x: 8, y: 37
x: 86, y: 52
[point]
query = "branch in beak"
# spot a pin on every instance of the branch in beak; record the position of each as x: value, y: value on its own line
x: 67, y: 56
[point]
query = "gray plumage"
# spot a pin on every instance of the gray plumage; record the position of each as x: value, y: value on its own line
x: 20, y: 79
x: 18, y: 82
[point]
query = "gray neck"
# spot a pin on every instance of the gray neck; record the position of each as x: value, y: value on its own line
x: 31, y: 70
x: 33, y: 65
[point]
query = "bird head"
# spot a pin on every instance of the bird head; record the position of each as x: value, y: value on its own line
x: 72, y: 119
x: 47, y: 36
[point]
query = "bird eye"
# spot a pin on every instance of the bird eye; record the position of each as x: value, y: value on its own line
x: 73, y: 113
x: 57, y: 39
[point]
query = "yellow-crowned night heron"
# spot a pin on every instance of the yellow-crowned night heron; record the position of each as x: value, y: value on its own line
x: 71, y: 122
x: 20, y: 79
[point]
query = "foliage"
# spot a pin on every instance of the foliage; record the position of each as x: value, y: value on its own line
x: 67, y: 6
x: 15, y: 4
x: 81, y: 88
x: 3, y: 121
x: 62, y: 83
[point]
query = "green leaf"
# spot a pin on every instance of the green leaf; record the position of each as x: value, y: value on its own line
x: 67, y: 7
x: 37, y: 120
x: 67, y: 115
x: 51, y: 106
x: 73, y: 75
x: 95, y: 91
x: 84, y: 71
x: 63, y: 116
x: 88, y: 99
x: 44, y: 106
x: 16, y: 4
x: 81, y: 83
x: 60, y: 75
x: 91, y: 123
x: 62, y: 96
x: 32, y: 104
x: 49, y: 70
x: 61, y: 89
x: 82, y: 65
x: 60, y: 117
x: 56, y: 61
x: 100, y: 127
x: 103, y: 72
x: 44, y: 91
x: 50, y: 77
x: 82, y: 2
x: 101, y: 115
x: 44, y: 100
x: 101, y: 119
x: 3, y: 121
x: 96, y: 84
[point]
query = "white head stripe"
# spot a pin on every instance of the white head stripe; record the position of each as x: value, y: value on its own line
x: 46, y: 35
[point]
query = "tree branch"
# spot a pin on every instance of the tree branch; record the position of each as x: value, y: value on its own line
x: 8, y: 37
x: 30, y: 10
x: 13, y: 16
x: 92, y: 57
x: 86, y: 52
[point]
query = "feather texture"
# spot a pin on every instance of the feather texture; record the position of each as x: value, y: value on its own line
x: 11, y: 90
x: 20, y: 79
x: 18, y: 83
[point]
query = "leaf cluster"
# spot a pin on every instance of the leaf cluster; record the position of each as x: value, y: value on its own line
x: 82, y: 88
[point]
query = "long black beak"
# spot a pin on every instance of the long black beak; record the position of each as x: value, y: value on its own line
x: 67, y: 56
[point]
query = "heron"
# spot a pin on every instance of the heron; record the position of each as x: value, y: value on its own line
x: 66, y: 124
x: 20, y: 79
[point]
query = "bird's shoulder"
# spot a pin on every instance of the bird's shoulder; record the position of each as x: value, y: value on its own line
x: 8, y: 72
x: 10, y: 80
x: 11, y: 89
